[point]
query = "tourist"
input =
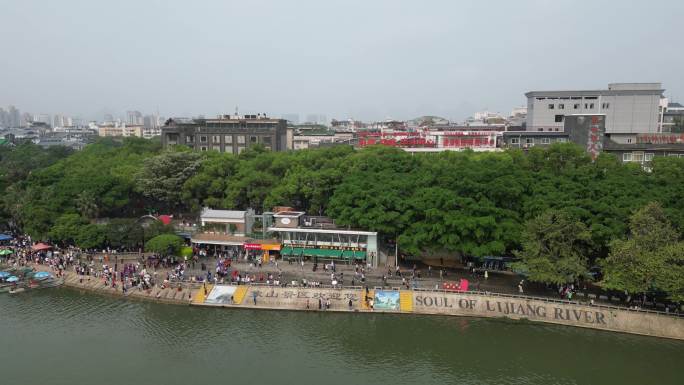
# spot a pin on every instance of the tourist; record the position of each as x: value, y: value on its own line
x: 350, y: 304
x: 520, y: 286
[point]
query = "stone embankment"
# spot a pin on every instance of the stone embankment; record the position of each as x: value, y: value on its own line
x: 434, y: 302
x: 172, y: 294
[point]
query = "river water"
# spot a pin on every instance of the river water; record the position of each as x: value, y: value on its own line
x: 63, y: 336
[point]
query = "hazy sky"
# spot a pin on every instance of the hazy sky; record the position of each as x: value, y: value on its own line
x: 364, y: 59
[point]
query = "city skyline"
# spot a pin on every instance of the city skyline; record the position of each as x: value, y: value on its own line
x: 368, y: 62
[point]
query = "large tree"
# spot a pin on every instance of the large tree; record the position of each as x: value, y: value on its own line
x: 650, y: 259
x: 162, y: 177
x: 554, y: 246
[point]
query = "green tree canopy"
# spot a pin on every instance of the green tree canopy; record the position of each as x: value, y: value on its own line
x: 165, y: 244
x: 554, y: 247
x: 650, y: 259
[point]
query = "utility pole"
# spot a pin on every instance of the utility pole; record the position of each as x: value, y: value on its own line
x: 396, y: 252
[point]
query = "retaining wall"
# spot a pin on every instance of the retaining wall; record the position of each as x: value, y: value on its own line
x: 464, y: 304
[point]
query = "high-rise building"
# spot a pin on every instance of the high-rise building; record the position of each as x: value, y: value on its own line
x: 26, y: 119
x: 291, y: 118
x: 134, y: 117
x: 317, y: 118
x: 14, y: 117
x: 4, y: 118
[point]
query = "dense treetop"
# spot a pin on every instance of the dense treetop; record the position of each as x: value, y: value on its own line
x: 461, y: 203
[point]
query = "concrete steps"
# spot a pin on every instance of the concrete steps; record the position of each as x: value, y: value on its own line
x: 363, y: 303
x: 406, y: 300
x: 239, y: 294
x: 200, y: 297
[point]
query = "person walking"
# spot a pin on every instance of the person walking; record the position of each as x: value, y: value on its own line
x: 520, y: 286
x: 486, y: 275
x: 350, y: 304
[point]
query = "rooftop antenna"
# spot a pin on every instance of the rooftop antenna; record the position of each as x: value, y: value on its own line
x: 236, y: 111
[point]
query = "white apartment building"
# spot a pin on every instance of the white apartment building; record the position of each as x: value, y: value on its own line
x: 629, y: 108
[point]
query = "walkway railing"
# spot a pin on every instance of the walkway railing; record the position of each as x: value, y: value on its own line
x: 478, y: 293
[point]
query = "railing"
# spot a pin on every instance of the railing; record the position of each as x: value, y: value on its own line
x: 479, y: 293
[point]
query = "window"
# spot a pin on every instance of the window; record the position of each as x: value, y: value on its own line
x: 627, y: 157
x: 586, y: 106
x: 637, y: 157
x: 517, y: 141
x: 550, y: 106
x: 605, y: 105
x: 591, y: 105
x: 203, y: 139
x: 546, y: 141
x: 253, y: 139
x: 561, y: 106
x: 561, y: 140
x: 559, y: 118
x: 228, y: 139
x: 216, y: 139
x: 529, y: 141
x: 540, y: 129
x: 556, y: 129
x: 241, y: 139
x: 648, y: 157
x: 266, y: 140
x: 576, y: 106
x: 189, y: 139
x: 216, y: 148
x: 591, y: 97
x: 203, y: 148
x: 629, y: 140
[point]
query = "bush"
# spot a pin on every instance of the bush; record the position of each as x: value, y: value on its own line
x: 165, y: 244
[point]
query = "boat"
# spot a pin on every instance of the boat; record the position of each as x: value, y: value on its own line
x: 17, y: 290
x: 42, y: 280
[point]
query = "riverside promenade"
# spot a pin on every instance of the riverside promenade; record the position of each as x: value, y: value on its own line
x: 396, y: 301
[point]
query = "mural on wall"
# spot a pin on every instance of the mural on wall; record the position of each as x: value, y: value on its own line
x: 386, y: 300
x: 221, y: 295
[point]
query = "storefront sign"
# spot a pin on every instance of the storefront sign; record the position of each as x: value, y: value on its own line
x: 270, y: 246
x: 252, y: 246
x: 660, y: 138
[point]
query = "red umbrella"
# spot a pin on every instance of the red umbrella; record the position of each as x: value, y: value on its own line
x: 165, y: 219
x: 40, y: 247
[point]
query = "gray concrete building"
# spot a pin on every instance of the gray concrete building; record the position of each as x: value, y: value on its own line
x: 228, y: 133
x: 629, y: 108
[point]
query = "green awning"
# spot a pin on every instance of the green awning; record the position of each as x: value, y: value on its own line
x: 326, y: 253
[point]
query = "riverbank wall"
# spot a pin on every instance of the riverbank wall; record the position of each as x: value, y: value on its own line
x: 435, y: 302
x: 174, y: 294
x: 426, y: 302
